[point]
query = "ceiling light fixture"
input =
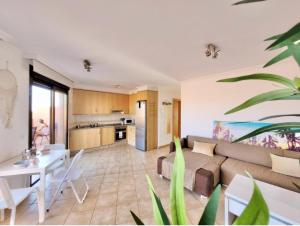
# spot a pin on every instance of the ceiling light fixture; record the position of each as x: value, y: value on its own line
x: 87, y: 65
x: 212, y: 50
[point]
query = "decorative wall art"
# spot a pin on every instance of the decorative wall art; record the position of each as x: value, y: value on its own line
x: 230, y: 131
x: 8, y: 93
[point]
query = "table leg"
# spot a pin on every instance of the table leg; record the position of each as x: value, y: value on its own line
x: 41, y: 195
x: 229, y: 217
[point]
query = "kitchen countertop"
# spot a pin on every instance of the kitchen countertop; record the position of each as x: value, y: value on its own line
x: 100, y: 126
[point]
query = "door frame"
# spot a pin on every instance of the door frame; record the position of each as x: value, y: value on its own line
x: 43, y: 81
x: 179, y: 117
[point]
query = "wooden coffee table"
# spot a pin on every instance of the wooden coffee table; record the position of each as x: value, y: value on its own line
x: 284, y: 205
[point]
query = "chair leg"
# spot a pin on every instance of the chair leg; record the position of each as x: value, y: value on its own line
x: 12, y: 216
x: 58, y: 190
x: 76, y: 194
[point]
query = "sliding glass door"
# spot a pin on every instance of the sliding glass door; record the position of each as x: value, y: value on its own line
x: 48, y: 116
x: 41, y: 116
x: 60, y: 117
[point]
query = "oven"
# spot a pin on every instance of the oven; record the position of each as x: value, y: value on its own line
x: 120, y: 133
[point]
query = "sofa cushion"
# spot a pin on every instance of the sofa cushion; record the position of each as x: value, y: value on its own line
x: 192, y: 139
x: 193, y: 162
x: 231, y: 167
x: 204, y: 148
x: 286, y: 166
x: 248, y: 153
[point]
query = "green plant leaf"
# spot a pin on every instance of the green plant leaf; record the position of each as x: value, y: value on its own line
x: 285, y: 54
x: 287, y: 38
x: 247, y: 1
x: 274, y: 37
x: 269, y: 128
x: 136, y: 218
x: 279, y: 116
x: 177, y: 188
x: 297, y: 82
x: 210, y: 212
x: 256, y: 212
x: 160, y: 215
x: 295, y: 96
x: 272, y: 95
x: 263, y: 76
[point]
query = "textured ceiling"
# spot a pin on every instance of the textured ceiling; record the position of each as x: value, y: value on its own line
x: 138, y: 42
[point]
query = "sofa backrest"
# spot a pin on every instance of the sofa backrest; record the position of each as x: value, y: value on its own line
x: 248, y: 153
x: 191, y: 139
x: 244, y: 152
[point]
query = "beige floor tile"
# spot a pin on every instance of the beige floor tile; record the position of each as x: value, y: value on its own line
x: 79, y: 218
x: 108, y: 188
x: 123, y: 213
x: 116, y: 176
x: 29, y: 216
x: 145, y: 208
x: 104, y: 215
x: 126, y: 187
x: 126, y: 196
x: 108, y: 199
x: 55, y: 220
x: 61, y: 207
x: 194, y: 215
x: 88, y: 204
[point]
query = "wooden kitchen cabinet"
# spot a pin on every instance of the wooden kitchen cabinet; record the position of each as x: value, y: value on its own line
x: 87, y: 102
x: 132, y: 103
x: 85, y: 138
x: 107, y: 135
x: 152, y: 105
x: 120, y: 102
x: 104, y: 103
x: 130, y: 135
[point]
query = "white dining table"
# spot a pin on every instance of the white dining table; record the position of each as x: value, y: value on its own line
x: 45, y: 161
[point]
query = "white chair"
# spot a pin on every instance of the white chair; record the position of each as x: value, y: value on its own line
x: 67, y: 177
x: 63, y: 162
x: 10, y: 199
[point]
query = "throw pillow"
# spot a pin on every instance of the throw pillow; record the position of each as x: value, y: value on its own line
x: 204, y: 148
x: 284, y: 165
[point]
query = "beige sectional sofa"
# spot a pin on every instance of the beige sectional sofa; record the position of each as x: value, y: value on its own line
x: 232, y: 159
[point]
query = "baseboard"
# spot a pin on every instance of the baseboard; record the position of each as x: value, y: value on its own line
x: 163, y: 146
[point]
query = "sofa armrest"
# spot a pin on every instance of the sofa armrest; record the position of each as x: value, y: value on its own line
x: 183, y: 142
x: 204, y: 182
x: 159, y: 164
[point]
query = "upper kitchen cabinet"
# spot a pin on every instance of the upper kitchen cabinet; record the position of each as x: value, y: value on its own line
x: 104, y: 103
x: 120, y: 102
x: 132, y: 101
x: 84, y: 102
x: 87, y: 102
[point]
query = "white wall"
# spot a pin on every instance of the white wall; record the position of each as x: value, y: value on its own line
x: 165, y: 94
x: 204, y: 100
x: 15, y: 139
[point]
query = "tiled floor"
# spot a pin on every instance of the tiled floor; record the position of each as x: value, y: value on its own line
x: 116, y: 176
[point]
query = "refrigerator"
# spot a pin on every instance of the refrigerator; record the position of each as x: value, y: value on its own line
x: 141, y: 125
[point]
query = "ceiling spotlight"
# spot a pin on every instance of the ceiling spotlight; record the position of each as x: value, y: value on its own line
x: 87, y: 65
x: 212, y: 50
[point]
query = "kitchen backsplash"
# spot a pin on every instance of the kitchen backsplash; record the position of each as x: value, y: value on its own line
x: 86, y: 119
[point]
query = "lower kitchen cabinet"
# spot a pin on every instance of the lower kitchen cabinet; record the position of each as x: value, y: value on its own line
x: 131, y: 135
x: 107, y: 135
x: 85, y: 138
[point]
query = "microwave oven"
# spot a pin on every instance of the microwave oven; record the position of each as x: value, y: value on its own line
x: 128, y: 121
